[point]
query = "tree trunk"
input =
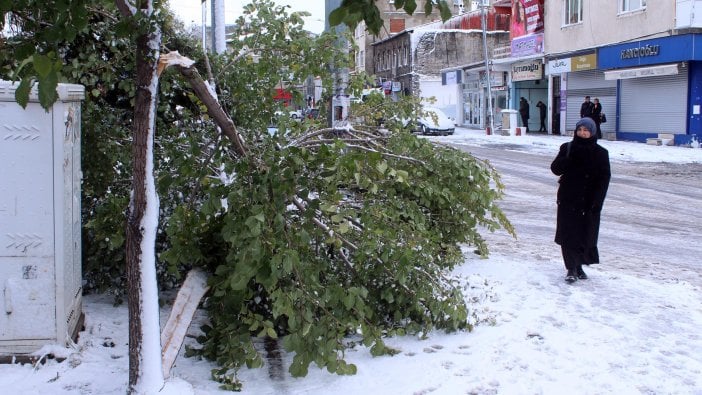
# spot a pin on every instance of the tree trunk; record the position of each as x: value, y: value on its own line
x: 145, y: 372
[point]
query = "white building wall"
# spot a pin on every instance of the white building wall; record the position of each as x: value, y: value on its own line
x: 688, y: 14
x: 603, y: 24
x: 446, y: 96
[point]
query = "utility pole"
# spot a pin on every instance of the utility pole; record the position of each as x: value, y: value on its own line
x: 485, y: 4
x: 204, y: 26
x: 339, y: 107
x: 219, y: 42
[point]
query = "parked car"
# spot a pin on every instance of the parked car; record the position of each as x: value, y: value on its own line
x: 293, y: 114
x: 427, y: 124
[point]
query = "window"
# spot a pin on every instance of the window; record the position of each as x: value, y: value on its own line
x: 397, y: 25
x: 573, y: 12
x: 632, y: 5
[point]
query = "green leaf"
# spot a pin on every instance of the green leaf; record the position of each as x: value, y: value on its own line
x: 344, y: 227
x: 410, y: 7
x: 428, y: 6
x: 47, y: 90
x: 22, y: 92
x: 329, y: 208
x: 349, y: 301
x: 298, y: 368
x: 42, y: 65
x: 382, y: 166
x: 271, y: 333
x: 444, y: 10
x: 337, y: 16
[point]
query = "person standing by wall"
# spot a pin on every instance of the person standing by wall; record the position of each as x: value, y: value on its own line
x: 597, y: 115
x: 584, y: 170
x: 542, y: 116
x: 586, y: 108
x: 524, y: 113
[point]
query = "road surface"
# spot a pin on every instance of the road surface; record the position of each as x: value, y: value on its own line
x: 651, y: 220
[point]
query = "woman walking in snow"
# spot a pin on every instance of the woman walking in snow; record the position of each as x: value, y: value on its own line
x: 583, y: 167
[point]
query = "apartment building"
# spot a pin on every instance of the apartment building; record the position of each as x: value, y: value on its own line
x: 394, y: 22
x: 641, y: 58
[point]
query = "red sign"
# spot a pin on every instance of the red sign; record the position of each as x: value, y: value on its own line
x: 527, y: 18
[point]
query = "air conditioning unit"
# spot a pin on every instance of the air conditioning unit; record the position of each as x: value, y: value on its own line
x: 40, y: 222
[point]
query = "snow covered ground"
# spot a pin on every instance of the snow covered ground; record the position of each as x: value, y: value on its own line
x: 635, y: 327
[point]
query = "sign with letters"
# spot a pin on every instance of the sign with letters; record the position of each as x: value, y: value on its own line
x: 576, y: 63
x: 526, y: 71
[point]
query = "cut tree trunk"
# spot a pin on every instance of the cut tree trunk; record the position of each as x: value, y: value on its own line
x: 191, y: 292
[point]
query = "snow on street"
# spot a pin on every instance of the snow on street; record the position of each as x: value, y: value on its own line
x: 634, y: 327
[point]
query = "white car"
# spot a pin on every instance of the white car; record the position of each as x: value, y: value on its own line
x: 434, y: 121
x: 296, y: 114
x: 293, y: 114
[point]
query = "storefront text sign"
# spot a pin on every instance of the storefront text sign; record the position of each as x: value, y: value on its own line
x: 656, y: 51
x: 576, y: 63
x: 585, y: 62
x: 451, y: 77
x: 525, y: 71
x: 496, y: 79
x: 532, y: 44
x: 646, y: 50
x: 558, y: 66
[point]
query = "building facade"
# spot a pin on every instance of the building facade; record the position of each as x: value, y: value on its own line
x: 394, y: 22
x: 442, y: 60
x: 640, y: 58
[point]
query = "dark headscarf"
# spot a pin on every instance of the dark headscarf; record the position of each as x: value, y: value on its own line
x: 590, y: 125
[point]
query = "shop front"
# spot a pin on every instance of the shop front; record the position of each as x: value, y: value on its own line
x: 573, y: 78
x: 659, y: 87
x: 474, y: 97
x: 528, y: 82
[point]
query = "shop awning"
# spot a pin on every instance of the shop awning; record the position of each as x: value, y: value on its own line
x: 651, y: 71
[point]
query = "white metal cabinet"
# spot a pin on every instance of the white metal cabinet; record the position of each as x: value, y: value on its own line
x: 40, y: 229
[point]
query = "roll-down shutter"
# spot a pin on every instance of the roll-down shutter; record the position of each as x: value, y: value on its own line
x: 654, y: 104
x: 590, y: 83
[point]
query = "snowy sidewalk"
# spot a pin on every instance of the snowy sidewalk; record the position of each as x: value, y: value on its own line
x: 629, y: 151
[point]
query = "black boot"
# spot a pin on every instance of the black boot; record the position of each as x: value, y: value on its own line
x: 581, y: 273
x: 570, y: 277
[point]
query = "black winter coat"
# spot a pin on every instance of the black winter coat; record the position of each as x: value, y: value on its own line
x: 584, y: 178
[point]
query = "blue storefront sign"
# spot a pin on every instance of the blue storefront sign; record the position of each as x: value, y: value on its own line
x: 672, y: 49
x: 649, y: 57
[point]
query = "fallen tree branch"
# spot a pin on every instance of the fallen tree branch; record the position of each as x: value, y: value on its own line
x: 204, y: 92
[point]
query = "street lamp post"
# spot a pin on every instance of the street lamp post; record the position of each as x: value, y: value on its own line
x: 204, y: 26
x: 484, y: 7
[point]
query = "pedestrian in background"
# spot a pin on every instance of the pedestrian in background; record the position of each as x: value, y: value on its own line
x: 583, y: 167
x: 524, y: 113
x: 586, y: 108
x: 542, y: 116
x: 597, y: 115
